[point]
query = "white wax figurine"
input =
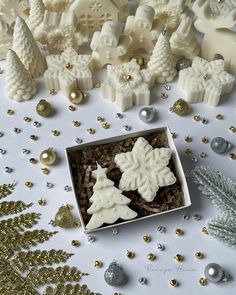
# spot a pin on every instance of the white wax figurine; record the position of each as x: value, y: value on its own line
x: 94, y: 13
x: 142, y: 29
x: 205, y: 81
x: 36, y: 14
x: 127, y: 85
x: 10, y: 9
x: 145, y: 169
x: 69, y: 71
x: 217, y: 26
x: 5, y: 38
x: 27, y: 49
x: 162, y: 62
x: 108, y: 203
x: 109, y: 46
x: 57, y: 5
x: 19, y: 84
x: 183, y: 41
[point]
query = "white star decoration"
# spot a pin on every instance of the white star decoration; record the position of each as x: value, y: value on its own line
x: 205, y: 81
x: 145, y: 169
x: 127, y: 92
x: 69, y: 71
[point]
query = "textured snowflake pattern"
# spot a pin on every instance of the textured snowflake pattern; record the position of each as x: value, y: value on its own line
x: 95, y: 6
x: 222, y: 8
x: 145, y: 169
x: 10, y: 9
x: 206, y: 81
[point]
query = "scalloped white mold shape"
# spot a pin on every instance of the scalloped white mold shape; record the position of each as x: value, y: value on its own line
x: 19, y: 84
x: 110, y: 45
x: 77, y: 76
x: 219, y: 41
x: 94, y: 13
x: 162, y: 62
x: 205, y: 81
x: 27, y: 49
x: 58, y: 5
x: 127, y: 85
x: 36, y: 14
x: 5, y: 38
x: 10, y: 9
x: 143, y: 29
x: 183, y: 41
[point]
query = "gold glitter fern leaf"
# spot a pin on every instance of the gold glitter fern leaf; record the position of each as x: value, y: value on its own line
x: 6, y: 190
x: 7, y: 208
x: 69, y: 289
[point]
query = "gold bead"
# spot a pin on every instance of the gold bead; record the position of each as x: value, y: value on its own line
x: 127, y: 78
x: 77, y: 224
x: 180, y: 107
x: 130, y: 254
x: 178, y: 257
x: 69, y: 206
x: 76, y: 96
x: 179, y: 232
x: 141, y: 61
x: 187, y: 138
x: 10, y: 112
x: 188, y: 151
x: 97, y: 85
x: 27, y: 119
x: 52, y: 92
x: 151, y: 256
x: 75, y: 243
x: 147, y: 238
x: 44, y: 108
x: 69, y: 66
x: 76, y: 123
x: 232, y: 156
x: 174, y: 283
x: 203, y: 281
x: 197, y: 118
x: 97, y: 264
x: 45, y: 171
x: 205, y: 139
x: 91, y: 131
x: 105, y: 125
x: 42, y: 202
x: 56, y: 133
x: 232, y: 129
x: 219, y: 117
x: 71, y: 108
x: 116, y: 293
x: 164, y: 95
x: 33, y: 161
x: 199, y: 255
x: 28, y: 184
x: 100, y: 119
x: 48, y: 157
x: 34, y: 137
x: 205, y: 230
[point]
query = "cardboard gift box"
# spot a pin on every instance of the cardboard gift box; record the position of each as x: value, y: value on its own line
x: 82, y: 160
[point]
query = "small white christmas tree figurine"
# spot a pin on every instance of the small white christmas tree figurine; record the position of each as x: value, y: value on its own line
x: 108, y: 202
x: 19, y: 84
x: 27, y: 50
x: 162, y: 62
x: 36, y: 14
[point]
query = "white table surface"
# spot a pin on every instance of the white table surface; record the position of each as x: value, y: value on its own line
x: 107, y: 246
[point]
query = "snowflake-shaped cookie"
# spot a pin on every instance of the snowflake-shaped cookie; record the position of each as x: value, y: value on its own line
x: 145, y: 169
x: 127, y: 85
x: 68, y: 71
x: 205, y: 81
x: 10, y: 9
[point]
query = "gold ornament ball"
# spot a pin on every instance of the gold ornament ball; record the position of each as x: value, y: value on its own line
x: 64, y: 218
x: 48, y: 157
x: 76, y: 96
x: 44, y: 108
x: 180, y: 107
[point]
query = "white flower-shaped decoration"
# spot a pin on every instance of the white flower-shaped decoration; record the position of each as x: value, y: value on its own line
x: 68, y: 71
x: 127, y: 85
x: 10, y: 9
x: 223, y: 7
x: 145, y: 169
x: 206, y: 81
x: 57, y: 5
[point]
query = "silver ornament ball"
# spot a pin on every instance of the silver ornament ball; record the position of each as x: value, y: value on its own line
x: 214, y: 272
x: 219, y: 145
x: 147, y: 114
x: 183, y: 63
x: 114, y: 275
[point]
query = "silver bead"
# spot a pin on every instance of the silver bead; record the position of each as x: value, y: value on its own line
x: 215, y: 273
x: 196, y: 217
x: 147, y: 114
x: 203, y: 155
x: 78, y: 140
x: 25, y: 151
x: 17, y: 130
x: 114, y: 275
x: 183, y: 63
x: 115, y: 231
x: 206, y: 77
x: 36, y: 124
x: 204, y: 121
x: 119, y: 116
x: 127, y: 127
x: 167, y: 87
x: 67, y: 188
x: 161, y: 229
x: 160, y: 247
x: 185, y: 216
x: 142, y: 281
x: 8, y: 169
x: 91, y: 239
x: 195, y: 160
x: 219, y: 145
x: 49, y: 185
x: 2, y: 151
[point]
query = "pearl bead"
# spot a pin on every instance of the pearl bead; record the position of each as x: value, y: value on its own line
x: 147, y: 114
x: 219, y: 145
x: 76, y: 96
x: 213, y: 272
x: 48, y: 157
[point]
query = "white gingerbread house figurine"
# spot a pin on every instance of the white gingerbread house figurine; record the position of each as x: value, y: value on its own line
x: 143, y: 29
x: 94, y: 13
x: 109, y: 46
x: 219, y: 40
